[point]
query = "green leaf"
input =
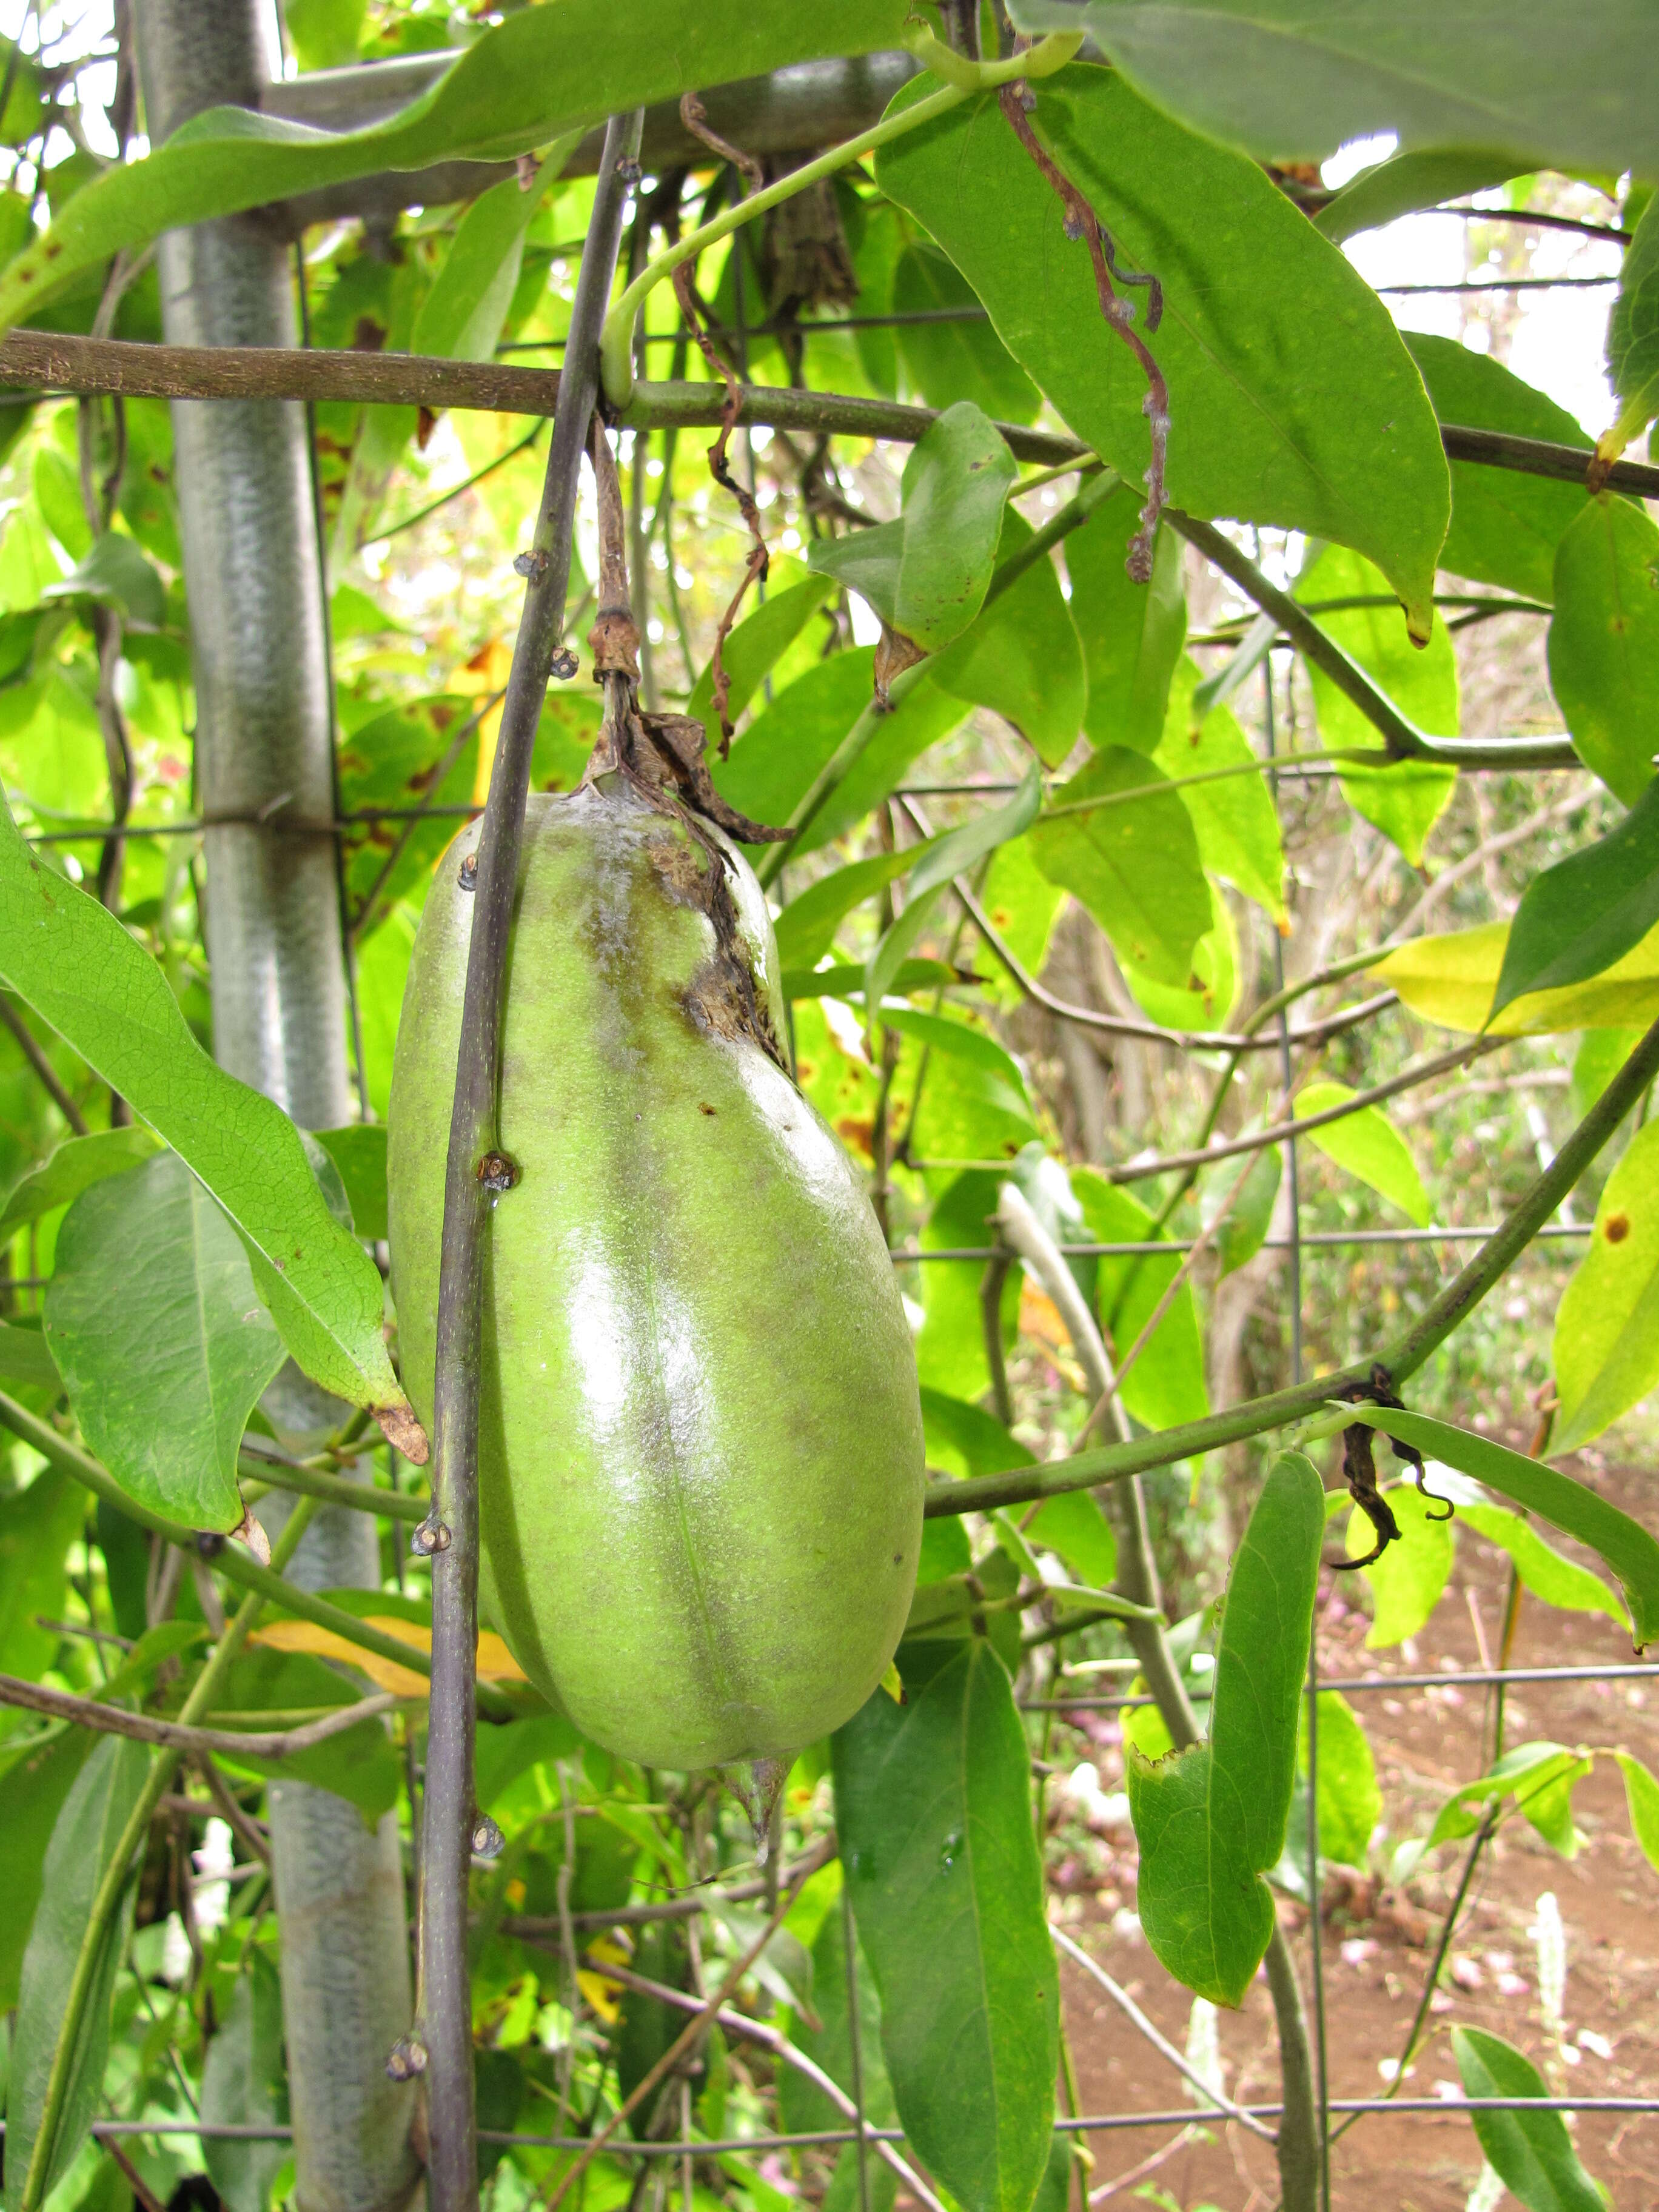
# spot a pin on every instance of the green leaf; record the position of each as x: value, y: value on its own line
x: 1211, y: 1820
x: 1600, y: 1056
x: 1531, y: 2152
x: 1642, y: 1802
x: 359, y: 1153
x: 25, y: 1362
x: 510, y: 1749
x: 162, y: 1344
x: 1212, y: 986
x: 37, y: 1776
x: 950, y: 361
x: 933, y: 1806
x: 71, y: 1168
x: 774, y: 762
x: 1406, y: 800
x: 802, y: 2107
x: 1235, y: 820
x: 1604, y: 642
x: 1244, y: 1231
x: 36, y: 1526
x: 324, y: 33
x: 82, y: 972
x: 946, y: 858
x: 1020, y: 655
x: 1505, y: 525
x: 963, y: 1439
x: 846, y: 979
x: 1132, y: 634
x: 1539, y: 1778
x: 950, y: 1345
x: 115, y: 571
x: 1578, y: 918
x: 994, y: 1073
x: 519, y: 86
x: 647, y: 2025
x: 1134, y: 864
x: 361, y: 1764
x: 1350, y: 1798
x: 1625, y: 1545
x: 1607, y: 1327
x: 1547, y: 1574
x: 1022, y: 906
x: 462, y: 317
x: 926, y: 714
x: 1634, y: 335
x: 1450, y: 980
x: 758, y: 643
x: 1264, y: 322
x: 1366, y: 1145
x: 243, y: 2085
x: 806, y: 928
x: 1295, y: 79
x: 1165, y: 1387
x: 83, y: 1841
x: 925, y: 575
x: 1407, y: 1582
x: 1401, y: 187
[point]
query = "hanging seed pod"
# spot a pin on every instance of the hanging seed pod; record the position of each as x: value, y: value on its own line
x: 700, y: 1447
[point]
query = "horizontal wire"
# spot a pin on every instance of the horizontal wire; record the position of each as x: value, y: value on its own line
x: 1473, y: 1679
x: 898, y: 319
x: 1330, y: 1239
x: 1084, y: 2124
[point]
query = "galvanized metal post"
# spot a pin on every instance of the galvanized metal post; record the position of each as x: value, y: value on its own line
x: 253, y: 574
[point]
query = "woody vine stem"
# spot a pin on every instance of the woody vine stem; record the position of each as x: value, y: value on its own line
x: 476, y: 1173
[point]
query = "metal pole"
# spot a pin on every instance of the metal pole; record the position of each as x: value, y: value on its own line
x: 254, y: 573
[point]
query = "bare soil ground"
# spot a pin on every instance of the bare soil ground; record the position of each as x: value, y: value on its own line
x: 1376, y: 1947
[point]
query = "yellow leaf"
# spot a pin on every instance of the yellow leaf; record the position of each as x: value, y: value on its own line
x: 602, y: 1993
x: 1039, y: 1319
x: 1450, y: 981
x: 891, y: 1683
x: 496, y: 1663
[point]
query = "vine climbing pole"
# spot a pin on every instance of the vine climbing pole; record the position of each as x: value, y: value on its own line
x: 252, y: 570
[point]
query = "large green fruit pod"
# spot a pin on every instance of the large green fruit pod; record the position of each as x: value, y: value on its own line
x: 700, y: 1456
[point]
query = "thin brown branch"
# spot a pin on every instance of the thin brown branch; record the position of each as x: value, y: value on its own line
x: 680, y: 2049
x: 246, y: 1743
x: 1278, y: 1131
x: 679, y: 1908
x: 769, y: 2038
x: 1092, y: 1018
x: 32, y: 1052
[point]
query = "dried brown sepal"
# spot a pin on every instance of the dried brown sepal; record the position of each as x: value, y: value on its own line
x: 894, y: 654
x: 757, y: 1785
x: 248, y: 1531
x: 678, y: 741
x: 398, y: 1425
x: 614, y: 642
